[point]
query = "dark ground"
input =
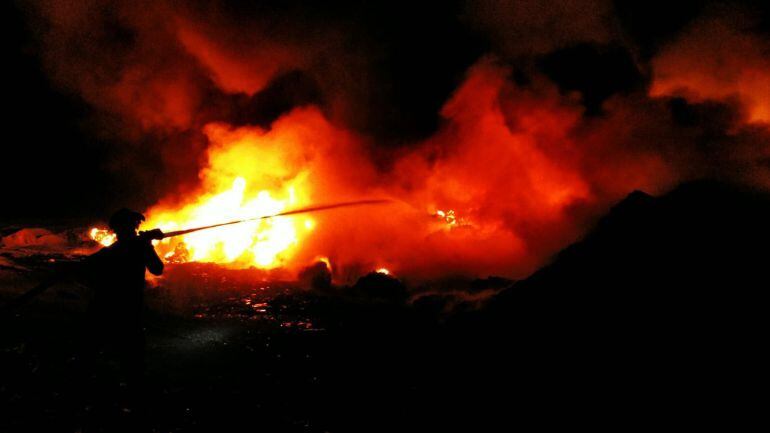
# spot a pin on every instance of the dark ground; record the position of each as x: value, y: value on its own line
x: 229, y: 355
x: 656, y: 319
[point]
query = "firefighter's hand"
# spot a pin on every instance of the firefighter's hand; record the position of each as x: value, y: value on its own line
x: 151, y: 235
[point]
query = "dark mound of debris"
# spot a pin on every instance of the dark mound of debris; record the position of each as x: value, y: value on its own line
x: 660, y: 306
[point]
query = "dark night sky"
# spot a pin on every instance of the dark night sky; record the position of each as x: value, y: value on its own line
x: 54, y: 166
x: 50, y: 165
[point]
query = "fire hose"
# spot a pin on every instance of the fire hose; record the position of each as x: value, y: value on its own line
x: 286, y: 213
x: 157, y: 234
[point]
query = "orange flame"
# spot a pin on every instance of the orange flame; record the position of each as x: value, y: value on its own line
x: 260, y: 243
x: 250, y: 174
x: 102, y: 236
x: 449, y: 217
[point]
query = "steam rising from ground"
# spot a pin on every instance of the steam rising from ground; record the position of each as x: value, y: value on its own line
x: 522, y: 165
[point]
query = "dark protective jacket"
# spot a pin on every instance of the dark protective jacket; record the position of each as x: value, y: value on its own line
x: 116, y: 274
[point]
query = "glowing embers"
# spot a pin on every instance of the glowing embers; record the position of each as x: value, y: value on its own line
x: 262, y: 243
x: 102, y: 236
x: 449, y: 218
x: 179, y: 254
x: 259, y: 307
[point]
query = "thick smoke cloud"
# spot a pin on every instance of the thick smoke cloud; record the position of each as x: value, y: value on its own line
x: 527, y: 120
x: 717, y: 58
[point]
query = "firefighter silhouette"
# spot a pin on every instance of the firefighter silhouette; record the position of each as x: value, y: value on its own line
x: 114, y: 331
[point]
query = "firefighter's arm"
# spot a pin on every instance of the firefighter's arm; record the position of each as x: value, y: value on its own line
x: 152, y: 261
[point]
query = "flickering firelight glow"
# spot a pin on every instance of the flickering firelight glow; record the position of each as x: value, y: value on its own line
x: 102, y: 236
x: 326, y: 261
x: 447, y: 216
x: 260, y: 243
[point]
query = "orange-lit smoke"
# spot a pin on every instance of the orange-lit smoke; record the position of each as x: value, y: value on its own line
x: 715, y: 60
x: 495, y: 191
x: 514, y: 172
